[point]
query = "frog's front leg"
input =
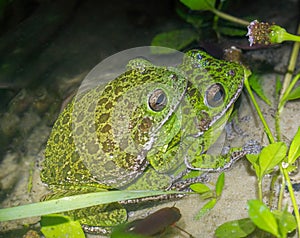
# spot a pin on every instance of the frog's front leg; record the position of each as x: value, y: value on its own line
x: 218, y: 163
x: 213, y: 163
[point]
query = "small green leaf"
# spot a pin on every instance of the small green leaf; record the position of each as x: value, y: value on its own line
x: 252, y: 158
x: 294, y: 151
x: 271, y: 156
x: 262, y: 217
x: 196, y: 20
x: 200, y: 188
x: 206, y: 208
x: 220, y: 184
x: 286, y: 221
x: 235, y: 229
x: 255, y: 82
x: 57, y: 226
x: 198, y: 5
x: 176, y: 39
x: 203, y: 190
x: 294, y: 94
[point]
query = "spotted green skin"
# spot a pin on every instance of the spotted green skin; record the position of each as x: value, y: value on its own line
x: 111, y: 138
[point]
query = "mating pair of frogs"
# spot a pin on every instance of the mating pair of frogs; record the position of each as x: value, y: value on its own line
x: 149, y: 128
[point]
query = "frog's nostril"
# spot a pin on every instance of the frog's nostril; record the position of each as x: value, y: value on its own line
x: 231, y: 73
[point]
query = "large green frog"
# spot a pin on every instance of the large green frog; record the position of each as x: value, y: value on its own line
x: 146, y: 129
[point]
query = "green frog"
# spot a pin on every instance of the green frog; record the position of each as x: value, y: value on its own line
x: 149, y: 128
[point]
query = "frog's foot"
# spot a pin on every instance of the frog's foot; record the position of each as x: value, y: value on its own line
x: 252, y: 147
x: 219, y: 163
x: 97, y: 230
x: 158, y: 198
x: 214, y: 163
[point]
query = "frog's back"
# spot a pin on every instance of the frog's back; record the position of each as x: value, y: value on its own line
x: 61, y: 157
x: 102, y: 137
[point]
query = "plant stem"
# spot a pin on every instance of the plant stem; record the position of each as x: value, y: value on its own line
x: 277, y: 126
x: 260, y: 196
x: 287, y: 92
x: 290, y: 69
x: 280, y: 198
x: 293, y: 199
x: 229, y: 17
x: 266, y: 127
x: 290, y: 37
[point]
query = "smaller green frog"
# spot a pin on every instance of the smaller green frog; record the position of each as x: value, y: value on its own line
x: 146, y: 129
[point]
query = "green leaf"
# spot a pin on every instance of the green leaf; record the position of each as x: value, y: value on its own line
x: 220, y: 184
x: 200, y: 188
x: 206, y: 208
x: 286, y: 221
x: 271, y: 156
x: 176, y: 39
x: 74, y: 202
x: 295, y: 94
x: 235, y: 229
x: 253, y: 159
x: 198, y: 5
x: 262, y: 217
x: 56, y: 226
x: 195, y: 20
x: 255, y: 82
x: 294, y: 151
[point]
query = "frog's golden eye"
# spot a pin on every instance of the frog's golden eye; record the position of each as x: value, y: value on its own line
x: 157, y: 100
x: 215, y: 95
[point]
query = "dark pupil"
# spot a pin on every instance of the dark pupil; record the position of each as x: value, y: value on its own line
x: 219, y: 95
x: 160, y: 99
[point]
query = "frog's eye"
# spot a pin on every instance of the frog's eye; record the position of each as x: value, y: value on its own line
x: 157, y: 100
x: 215, y: 95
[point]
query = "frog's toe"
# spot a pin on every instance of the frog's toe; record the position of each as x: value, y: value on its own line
x: 97, y: 230
x: 252, y: 147
x: 183, y: 185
